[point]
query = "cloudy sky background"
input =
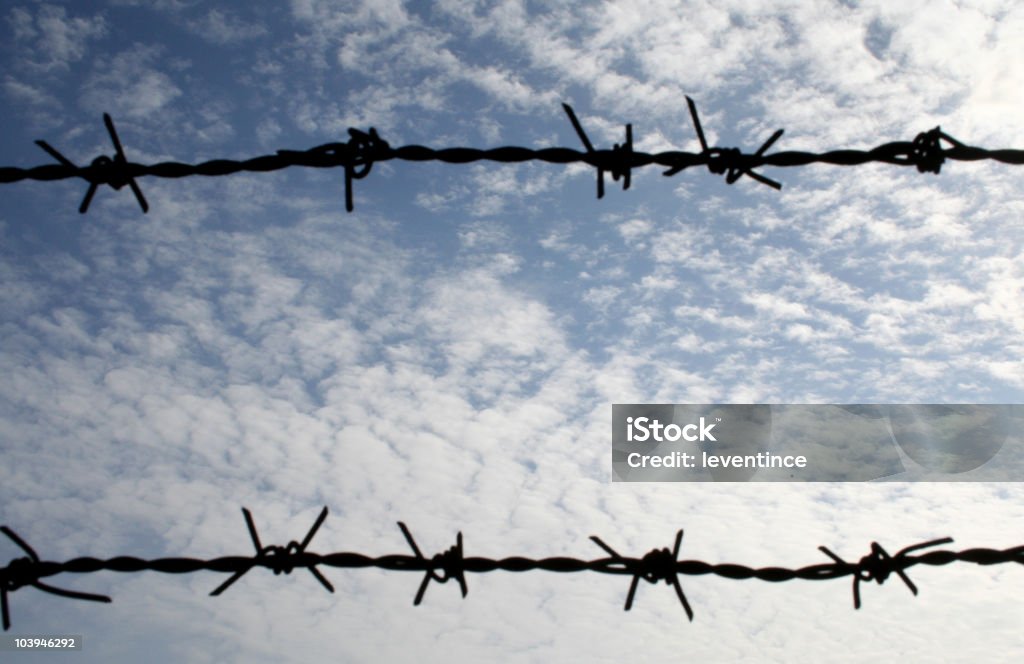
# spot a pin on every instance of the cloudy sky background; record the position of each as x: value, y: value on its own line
x: 448, y: 354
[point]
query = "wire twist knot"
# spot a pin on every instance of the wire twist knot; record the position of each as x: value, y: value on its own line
x: 728, y: 161
x: 364, y: 148
x: 657, y: 565
x: 280, y: 558
x: 19, y: 572
x: 109, y: 171
x: 451, y: 564
x: 927, y: 153
x: 620, y: 163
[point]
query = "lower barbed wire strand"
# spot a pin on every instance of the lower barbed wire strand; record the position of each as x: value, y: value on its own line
x: 657, y: 565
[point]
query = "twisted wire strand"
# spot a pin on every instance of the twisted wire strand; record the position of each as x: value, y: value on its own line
x: 927, y: 152
x: 657, y: 565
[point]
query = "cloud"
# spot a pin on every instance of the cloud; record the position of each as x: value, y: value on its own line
x: 776, y: 307
x: 130, y: 83
x: 635, y: 229
x: 58, y: 39
x: 479, y: 235
x: 27, y: 93
x: 224, y: 28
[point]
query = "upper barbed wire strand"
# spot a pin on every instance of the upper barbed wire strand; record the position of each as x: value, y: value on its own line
x: 927, y: 152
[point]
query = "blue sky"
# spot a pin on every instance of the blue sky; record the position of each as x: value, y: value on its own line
x: 448, y: 354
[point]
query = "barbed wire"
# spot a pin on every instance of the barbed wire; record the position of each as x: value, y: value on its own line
x: 927, y: 152
x: 657, y: 565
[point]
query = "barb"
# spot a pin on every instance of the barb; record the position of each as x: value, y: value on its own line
x: 731, y: 161
x: 927, y: 152
x: 278, y: 558
x: 26, y: 572
x: 356, y: 156
x: 114, y: 171
x: 657, y: 565
x: 878, y: 565
x: 450, y: 562
x: 618, y: 160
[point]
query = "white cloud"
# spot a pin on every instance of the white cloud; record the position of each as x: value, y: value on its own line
x: 221, y: 27
x: 634, y: 229
x: 481, y: 235
x: 775, y: 306
x: 130, y: 83
x: 602, y: 296
x: 60, y: 40
x: 20, y: 20
x: 30, y: 94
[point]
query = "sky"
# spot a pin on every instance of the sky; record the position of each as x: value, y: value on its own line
x: 448, y: 354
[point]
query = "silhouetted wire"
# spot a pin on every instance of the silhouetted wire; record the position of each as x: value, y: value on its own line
x: 657, y: 565
x: 927, y: 152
